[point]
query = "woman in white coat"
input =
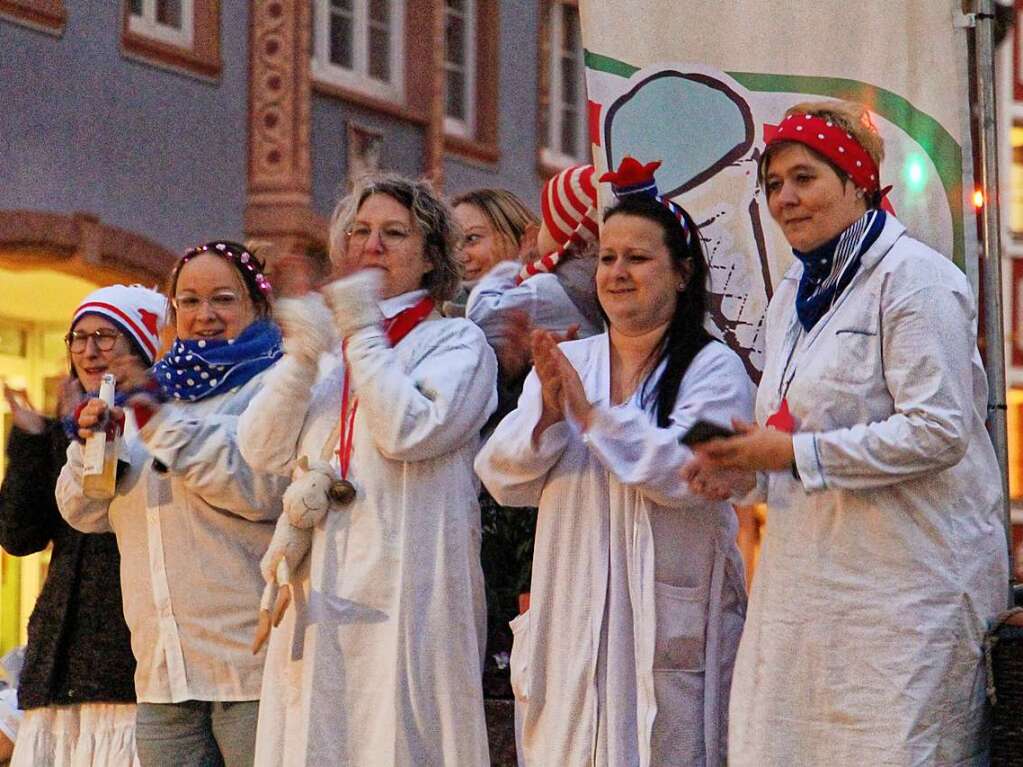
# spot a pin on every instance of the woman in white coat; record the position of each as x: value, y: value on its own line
x: 885, y: 554
x: 555, y: 291
x: 378, y: 661
x: 637, y: 598
x: 190, y: 517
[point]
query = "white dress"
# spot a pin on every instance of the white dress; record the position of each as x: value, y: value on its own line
x: 82, y: 735
x: 637, y: 598
x: 379, y: 660
x: 881, y: 567
x: 192, y: 520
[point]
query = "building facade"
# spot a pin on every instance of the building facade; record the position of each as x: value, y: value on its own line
x: 133, y: 129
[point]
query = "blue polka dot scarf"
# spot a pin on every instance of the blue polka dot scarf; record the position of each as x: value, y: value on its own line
x: 827, y: 270
x: 195, y: 369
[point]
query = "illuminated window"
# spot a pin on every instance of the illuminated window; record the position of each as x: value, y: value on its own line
x: 1016, y: 181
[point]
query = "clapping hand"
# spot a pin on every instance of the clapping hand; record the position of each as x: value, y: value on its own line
x: 24, y: 416
x: 561, y: 388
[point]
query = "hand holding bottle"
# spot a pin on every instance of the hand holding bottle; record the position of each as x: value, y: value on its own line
x: 95, y: 417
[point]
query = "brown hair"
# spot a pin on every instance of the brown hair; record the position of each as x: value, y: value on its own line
x: 250, y: 272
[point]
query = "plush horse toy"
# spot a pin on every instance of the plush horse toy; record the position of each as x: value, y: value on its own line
x: 314, y: 490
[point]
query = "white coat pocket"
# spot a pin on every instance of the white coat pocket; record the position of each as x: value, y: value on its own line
x: 681, y: 616
x: 854, y: 356
x: 519, y: 662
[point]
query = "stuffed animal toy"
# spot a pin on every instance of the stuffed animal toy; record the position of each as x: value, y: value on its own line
x: 314, y: 490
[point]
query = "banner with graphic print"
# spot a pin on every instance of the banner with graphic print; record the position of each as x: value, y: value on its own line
x: 692, y: 84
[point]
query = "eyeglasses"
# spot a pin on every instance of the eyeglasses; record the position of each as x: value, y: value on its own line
x: 76, y: 340
x: 391, y: 237
x: 223, y: 302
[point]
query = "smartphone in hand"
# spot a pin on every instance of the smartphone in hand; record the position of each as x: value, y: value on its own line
x: 701, y: 431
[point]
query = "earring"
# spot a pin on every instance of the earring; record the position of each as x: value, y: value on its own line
x: 681, y: 287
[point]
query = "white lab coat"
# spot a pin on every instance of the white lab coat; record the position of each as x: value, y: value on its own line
x: 190, y: 538
x: 637, y: 598
x: 880, y: 568
x: 542, y: 297
x: 379, y: 660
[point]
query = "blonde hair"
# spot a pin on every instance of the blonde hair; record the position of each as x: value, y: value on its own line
x: 430, y: 214
x: 505, y: 212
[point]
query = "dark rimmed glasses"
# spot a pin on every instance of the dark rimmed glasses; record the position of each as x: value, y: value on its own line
x: 104, y: 339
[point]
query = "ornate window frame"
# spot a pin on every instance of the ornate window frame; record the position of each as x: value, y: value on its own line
x: 42, y: 15
x: 358, y: 78
x: 552, y: 108
x: 193, y: 50
x: 476, y: 138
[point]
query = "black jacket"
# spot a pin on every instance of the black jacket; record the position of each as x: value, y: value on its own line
x: 79, y: 648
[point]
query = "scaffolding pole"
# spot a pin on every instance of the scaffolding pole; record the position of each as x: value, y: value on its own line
x: 991, y: 252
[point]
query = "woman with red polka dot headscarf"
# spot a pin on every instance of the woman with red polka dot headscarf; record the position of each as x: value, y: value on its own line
x: 885, y: 552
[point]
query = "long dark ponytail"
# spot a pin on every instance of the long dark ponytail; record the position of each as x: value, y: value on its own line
x: 685, y: 335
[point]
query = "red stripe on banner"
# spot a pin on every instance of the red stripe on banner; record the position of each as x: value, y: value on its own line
x: 593, y: 112
x: 140, y: 334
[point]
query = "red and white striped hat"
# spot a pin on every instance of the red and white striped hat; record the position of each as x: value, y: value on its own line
x: 569, y: 208
x: 138, y: 312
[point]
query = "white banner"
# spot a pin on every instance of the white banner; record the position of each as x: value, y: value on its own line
x: 693, y: 83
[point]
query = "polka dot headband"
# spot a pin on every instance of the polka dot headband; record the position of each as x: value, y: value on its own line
x: 249, y: 267
x: 831, y: 140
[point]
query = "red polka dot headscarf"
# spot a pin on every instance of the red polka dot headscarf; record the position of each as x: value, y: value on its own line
x: 831, y: 140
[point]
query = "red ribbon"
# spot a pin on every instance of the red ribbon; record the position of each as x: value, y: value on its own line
x: 782, y: 419
x: 396, y: 329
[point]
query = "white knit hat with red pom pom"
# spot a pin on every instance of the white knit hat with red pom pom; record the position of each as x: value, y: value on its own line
x: 138, y: 312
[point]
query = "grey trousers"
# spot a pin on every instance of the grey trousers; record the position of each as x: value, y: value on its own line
x: 196, y: 733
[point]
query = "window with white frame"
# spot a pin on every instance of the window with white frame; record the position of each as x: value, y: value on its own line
x: 168, y: 21
x: 566, y: 142
x: 460, y: 67
x: 359, y: 44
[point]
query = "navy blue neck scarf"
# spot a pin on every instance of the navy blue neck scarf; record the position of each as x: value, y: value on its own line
x: 195, y: 369
x: 828, y: 269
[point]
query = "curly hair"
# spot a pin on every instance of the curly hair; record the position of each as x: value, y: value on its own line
x: 432, y: 216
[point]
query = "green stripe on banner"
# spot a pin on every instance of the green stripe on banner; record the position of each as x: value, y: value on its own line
x: 943, y: 150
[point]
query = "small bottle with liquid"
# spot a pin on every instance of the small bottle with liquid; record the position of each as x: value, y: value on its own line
x: 99, y: 457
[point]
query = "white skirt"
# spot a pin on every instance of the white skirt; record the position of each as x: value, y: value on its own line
x: 82, y: 735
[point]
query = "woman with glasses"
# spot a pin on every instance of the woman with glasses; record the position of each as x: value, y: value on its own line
x: 76, y: 685
x: 191, y: 518
x: 378, y: 661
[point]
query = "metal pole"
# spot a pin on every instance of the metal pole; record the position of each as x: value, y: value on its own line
x: 992, y: 252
